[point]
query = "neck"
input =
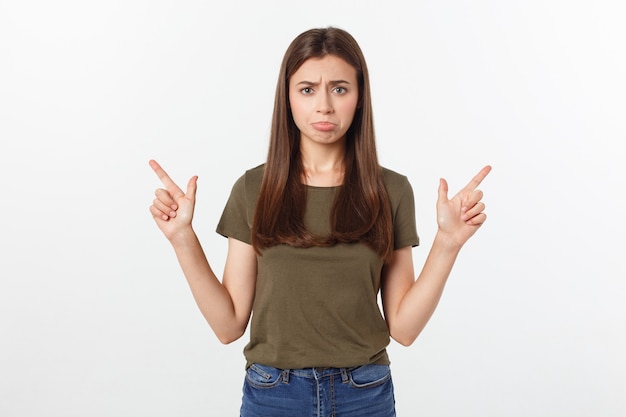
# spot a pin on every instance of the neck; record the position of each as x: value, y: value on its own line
x: 324, y: 166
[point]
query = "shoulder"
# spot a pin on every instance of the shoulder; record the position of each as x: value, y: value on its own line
x: 249, y: 183
x: 399, y: 190
x: 395, y: 181
x: 253, y: 176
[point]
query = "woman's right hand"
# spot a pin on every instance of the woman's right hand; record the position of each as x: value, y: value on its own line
x: 172, y: 209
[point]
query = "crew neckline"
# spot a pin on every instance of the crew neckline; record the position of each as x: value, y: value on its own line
x: 318, y: 187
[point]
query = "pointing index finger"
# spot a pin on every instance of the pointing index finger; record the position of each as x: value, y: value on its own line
x: 165, y: 179
x: 475, y: 182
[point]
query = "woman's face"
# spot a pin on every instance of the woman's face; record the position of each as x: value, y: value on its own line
x: 323, y: 94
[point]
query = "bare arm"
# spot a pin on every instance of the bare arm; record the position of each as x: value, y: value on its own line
x: 409, y: 303
x: 226, y: 305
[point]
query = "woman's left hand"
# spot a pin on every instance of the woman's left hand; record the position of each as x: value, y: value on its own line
x: 458, y: 218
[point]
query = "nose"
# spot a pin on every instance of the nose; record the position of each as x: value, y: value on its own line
x: 325, y: 104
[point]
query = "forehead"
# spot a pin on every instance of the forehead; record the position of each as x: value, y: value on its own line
x: 329, y: 67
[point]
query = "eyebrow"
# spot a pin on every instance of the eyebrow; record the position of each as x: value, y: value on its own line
x: 334, y: 82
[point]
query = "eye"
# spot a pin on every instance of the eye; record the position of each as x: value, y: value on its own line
x: 306, y: 90
x: 340, y: 90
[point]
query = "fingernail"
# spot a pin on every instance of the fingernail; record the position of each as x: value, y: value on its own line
x: 172, y: 214
x: 174, y: 207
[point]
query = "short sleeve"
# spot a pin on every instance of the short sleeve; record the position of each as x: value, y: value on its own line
x: 402, y: 203
x: 238, y: 214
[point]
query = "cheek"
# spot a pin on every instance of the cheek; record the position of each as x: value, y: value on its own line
x: 348, y: 109
x: 298, y: 112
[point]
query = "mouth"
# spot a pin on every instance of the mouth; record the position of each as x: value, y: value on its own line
x: 323, y: 126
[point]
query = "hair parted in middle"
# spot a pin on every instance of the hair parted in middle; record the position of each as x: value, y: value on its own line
x: 361, y: 211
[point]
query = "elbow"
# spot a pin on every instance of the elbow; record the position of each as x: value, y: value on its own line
x: 228, y: 337
x: 225, y: 340
x: 404, y: 340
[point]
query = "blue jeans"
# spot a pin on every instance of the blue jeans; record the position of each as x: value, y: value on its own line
x: 365, y: 391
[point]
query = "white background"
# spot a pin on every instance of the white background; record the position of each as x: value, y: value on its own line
x: 95, y: 316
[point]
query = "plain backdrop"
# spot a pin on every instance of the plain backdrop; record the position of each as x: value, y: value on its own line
x: 96, y: 318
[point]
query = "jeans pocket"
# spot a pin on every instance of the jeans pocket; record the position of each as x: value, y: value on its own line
x: 368, y: 376
x: 261, y: 376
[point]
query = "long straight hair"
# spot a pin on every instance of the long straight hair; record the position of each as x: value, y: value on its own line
x: 361, y: 210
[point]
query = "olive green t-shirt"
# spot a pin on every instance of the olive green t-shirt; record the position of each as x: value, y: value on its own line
x: 317, y: 307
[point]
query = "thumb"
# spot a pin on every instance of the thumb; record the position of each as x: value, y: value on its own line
x: 443, y: 191
x: 192, y: 186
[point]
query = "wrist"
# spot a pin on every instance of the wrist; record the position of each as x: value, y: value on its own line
x: 183, y: 237
x: 447, y: 242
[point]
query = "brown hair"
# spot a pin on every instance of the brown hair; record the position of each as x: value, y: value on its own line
x: 361, y: 211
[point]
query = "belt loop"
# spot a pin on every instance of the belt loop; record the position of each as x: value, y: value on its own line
x: 286, y: 376
x: 344, y: 375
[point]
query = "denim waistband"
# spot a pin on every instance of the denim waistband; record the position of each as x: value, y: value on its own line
x: 319, y: 372
x: 364, y: 391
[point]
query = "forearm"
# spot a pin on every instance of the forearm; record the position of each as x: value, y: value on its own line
x: 422, y: 297
x: 212, y: 298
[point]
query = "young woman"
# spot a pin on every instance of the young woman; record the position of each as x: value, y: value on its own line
x: 313, y: 234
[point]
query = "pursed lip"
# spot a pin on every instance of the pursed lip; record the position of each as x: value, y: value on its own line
x: 323, y: 126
